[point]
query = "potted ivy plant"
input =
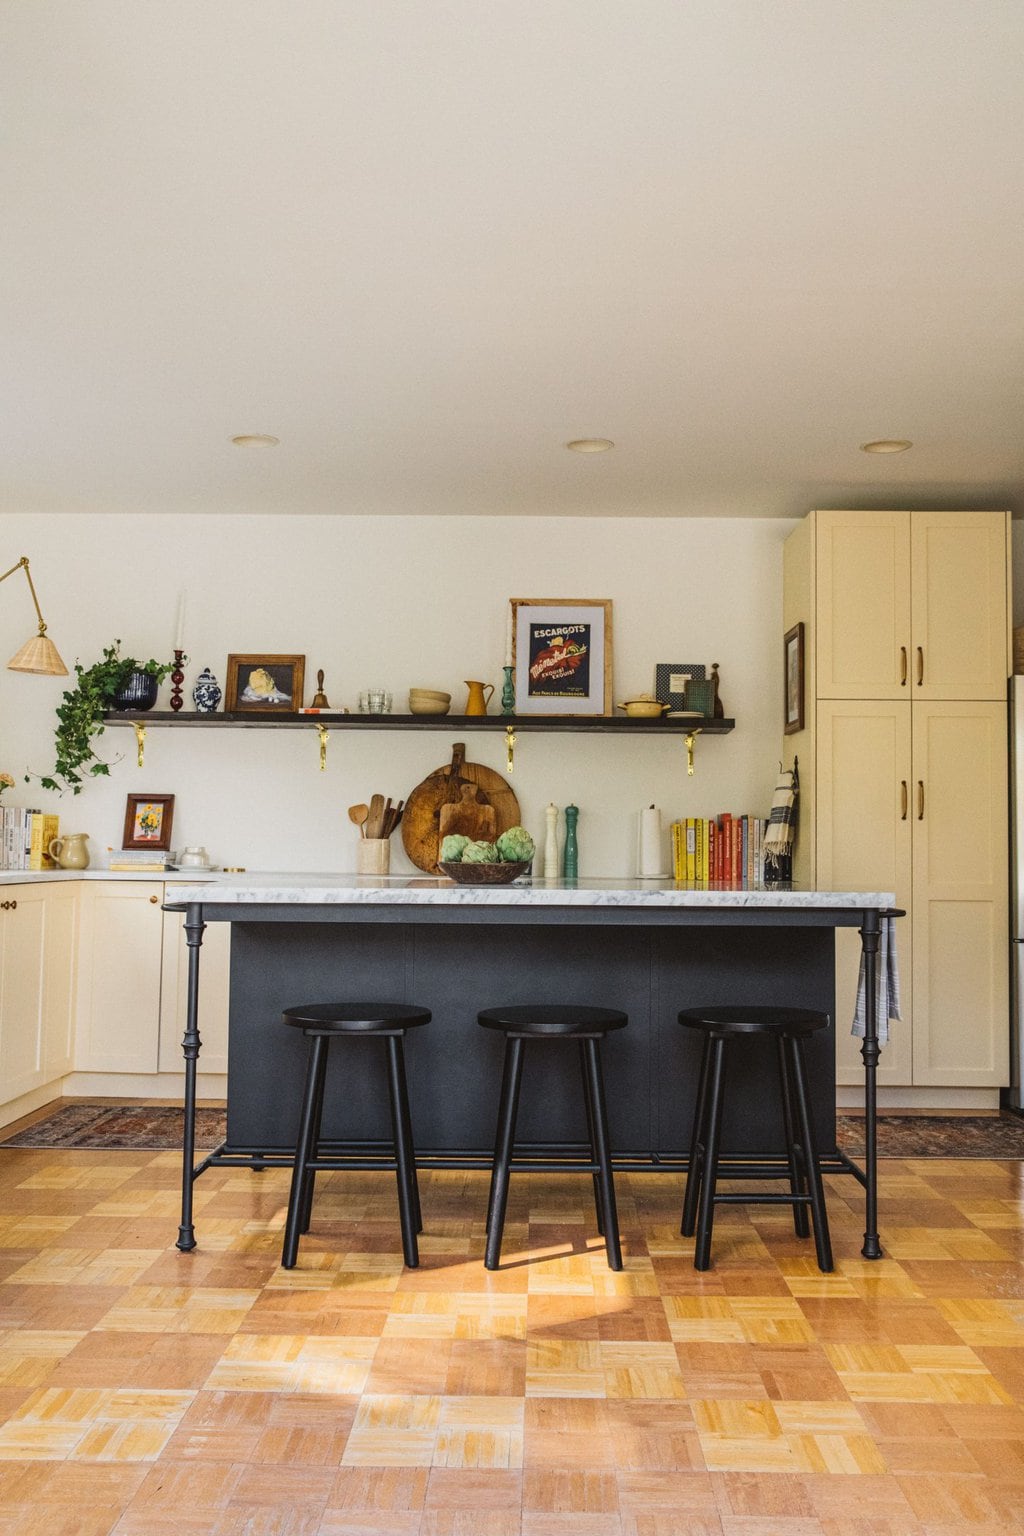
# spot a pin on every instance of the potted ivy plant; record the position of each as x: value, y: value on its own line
x: 116, y: 682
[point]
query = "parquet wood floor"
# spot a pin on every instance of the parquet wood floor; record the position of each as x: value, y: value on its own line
x: 145, y: 1392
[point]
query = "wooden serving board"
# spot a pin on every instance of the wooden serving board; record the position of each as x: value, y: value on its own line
x: 472, y: 816
x: 421, y: 819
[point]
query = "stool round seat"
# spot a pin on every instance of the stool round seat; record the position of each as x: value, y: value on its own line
x: 559, y: 1019
x: 355, y: 1018
x: 755, y: 1020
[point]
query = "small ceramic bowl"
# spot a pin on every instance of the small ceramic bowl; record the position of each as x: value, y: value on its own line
x: 430, y: 693
x: 485, y: 874
x: 422, y: 706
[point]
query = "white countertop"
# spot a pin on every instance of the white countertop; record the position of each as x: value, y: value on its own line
x: 345, y: 889
x: 422, y: 890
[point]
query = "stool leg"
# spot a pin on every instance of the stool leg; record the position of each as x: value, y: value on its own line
x: 796, y: 1181
x: 709, y: 1171
x: 693, y: 1172
x: 309, y: 1177
x: 604, y: 1162
x: 590, y: 1137
x: 822, y: 1241
x: 414, y: 1187
x: 303, y: 1150
x: 403, y: 1150
x: 503, y: 1144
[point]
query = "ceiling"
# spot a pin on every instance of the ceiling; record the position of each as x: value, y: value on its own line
x: 426, y: 242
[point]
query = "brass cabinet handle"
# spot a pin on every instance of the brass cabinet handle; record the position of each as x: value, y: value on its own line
x: 903, y: 799
x: 920, y: 800
x: 903, y: 666
x: 153, y: 900
x: 920, y: 665
x: 8, y: 906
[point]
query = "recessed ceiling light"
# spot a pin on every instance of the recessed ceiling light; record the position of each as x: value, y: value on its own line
x: 590, y: 444
x: 887, y: 445
x: 255, y: 440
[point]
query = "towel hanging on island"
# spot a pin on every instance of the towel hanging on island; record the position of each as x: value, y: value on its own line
x: 778, y: 837
x: 887, y: 986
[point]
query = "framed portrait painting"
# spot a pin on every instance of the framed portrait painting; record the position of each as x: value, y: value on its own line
x: 147, y: 822
x: 793, y: 678
x: 562, y: 655
x: 265, y: 685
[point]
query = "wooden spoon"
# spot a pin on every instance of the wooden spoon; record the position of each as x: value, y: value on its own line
x: 376, y: 816
x: 358, y: 815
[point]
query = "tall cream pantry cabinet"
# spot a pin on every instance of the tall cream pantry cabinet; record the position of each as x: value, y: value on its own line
x: 903, y: 775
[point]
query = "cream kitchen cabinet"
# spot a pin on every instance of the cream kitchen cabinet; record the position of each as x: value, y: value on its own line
x: 903, y: 772
x: 913, y: 799
x: 131, y: 984
x: 911, y: 605
x: 38, y: 946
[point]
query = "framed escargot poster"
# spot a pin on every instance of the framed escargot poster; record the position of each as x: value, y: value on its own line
x: 562, y: 655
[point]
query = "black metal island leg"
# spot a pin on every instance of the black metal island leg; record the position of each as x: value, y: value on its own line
x: 870, y: 935
x: 190, y: 1047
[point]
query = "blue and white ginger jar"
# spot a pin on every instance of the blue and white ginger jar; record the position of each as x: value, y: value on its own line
x: 206, y: 694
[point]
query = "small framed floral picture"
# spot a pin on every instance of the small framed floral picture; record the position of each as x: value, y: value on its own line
x: 147, y: 822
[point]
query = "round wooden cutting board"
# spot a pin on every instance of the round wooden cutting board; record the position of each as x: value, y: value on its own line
x: 422, y: 814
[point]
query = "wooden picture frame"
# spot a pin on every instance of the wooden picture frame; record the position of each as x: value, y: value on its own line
x: 561, y: 655
x: 147, y: 822
x: 264, y: 685
x: 793, y: 679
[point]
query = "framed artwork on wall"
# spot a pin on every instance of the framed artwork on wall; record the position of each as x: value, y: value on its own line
x: 265, y: 685
x: 147, y: 822
x: 793, y: 678
x: 562, y: 655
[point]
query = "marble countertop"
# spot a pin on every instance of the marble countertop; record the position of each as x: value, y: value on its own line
x: 418, y: 890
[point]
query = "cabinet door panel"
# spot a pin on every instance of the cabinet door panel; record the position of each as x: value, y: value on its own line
x: 60, y: 968
x: 862, y: 572
x: 864, y: 844
x: 119, y: 985
x: 958, y: 605
x: 961, y: 902
x: 21, y: 991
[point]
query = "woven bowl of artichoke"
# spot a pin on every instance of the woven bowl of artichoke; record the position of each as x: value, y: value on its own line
x: 478, y: 863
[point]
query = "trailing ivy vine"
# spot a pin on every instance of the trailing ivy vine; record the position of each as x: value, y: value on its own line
x: 80, y: 715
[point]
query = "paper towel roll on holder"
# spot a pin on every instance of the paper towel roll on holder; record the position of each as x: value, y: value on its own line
x: 649, y: 854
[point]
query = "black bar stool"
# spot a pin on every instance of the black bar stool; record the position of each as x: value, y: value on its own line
x: 788, y: 1027
x: 321, y: 1023
x: 587, y: 1026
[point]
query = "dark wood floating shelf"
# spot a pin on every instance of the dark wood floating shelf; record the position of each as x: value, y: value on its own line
x: 613, y: 725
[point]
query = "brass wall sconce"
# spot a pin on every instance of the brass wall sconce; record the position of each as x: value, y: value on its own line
x: 39, y: 654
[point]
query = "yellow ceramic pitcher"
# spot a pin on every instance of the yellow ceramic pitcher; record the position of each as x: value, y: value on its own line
x: 479, y: 697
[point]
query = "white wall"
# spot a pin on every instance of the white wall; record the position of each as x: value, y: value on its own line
x: 392, y: 602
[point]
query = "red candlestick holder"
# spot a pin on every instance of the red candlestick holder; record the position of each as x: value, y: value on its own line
x: 177, y: 678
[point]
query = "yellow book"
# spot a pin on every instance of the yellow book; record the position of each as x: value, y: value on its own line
x: 678, y: 852
x: 691, y: 849
x: 45, y: 827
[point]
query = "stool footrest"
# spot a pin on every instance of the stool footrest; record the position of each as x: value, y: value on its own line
x: 765, y: 1199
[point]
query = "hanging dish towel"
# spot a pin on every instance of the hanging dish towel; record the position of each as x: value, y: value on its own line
x: 778, y: 839
x: 887, y: 986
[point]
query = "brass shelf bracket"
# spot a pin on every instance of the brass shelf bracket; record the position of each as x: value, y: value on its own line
x: 323, y: 733
x: 140, y: 740
x: 510, y: 746
x: 691, y: 737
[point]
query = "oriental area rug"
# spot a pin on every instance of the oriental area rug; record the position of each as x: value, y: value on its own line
x: 95, y: 1127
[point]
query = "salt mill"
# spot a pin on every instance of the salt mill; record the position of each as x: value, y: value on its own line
x: 551, y: 870
x: 571, y: 861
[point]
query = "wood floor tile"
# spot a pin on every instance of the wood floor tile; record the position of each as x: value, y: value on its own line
x: 144, y: 1391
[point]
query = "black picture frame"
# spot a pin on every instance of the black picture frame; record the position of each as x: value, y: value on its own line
x: 793, y: 679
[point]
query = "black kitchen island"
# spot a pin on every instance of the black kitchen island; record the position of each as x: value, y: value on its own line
x: 647, y: 947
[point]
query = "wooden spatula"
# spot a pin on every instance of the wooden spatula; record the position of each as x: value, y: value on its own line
x: 375, y: 820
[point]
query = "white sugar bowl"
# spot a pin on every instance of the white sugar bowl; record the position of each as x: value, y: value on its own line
x: 194, y: 858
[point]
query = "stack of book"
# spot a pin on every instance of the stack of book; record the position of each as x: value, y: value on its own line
x: 139, y: 860
x: 25, y: 837
x: 726, y: 850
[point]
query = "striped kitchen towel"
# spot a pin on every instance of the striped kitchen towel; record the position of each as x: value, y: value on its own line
x: 887, y: 986
x: 778, y: 838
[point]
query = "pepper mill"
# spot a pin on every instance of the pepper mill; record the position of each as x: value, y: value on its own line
x: 551, y: 869
x: 571, y: 860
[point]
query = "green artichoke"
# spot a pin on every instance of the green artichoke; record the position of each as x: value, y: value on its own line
x: 480, y: 853
x: 452, y: 848
x: 516, y: 845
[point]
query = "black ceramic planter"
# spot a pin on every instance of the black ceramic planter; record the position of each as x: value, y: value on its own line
x: 139, y: 692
